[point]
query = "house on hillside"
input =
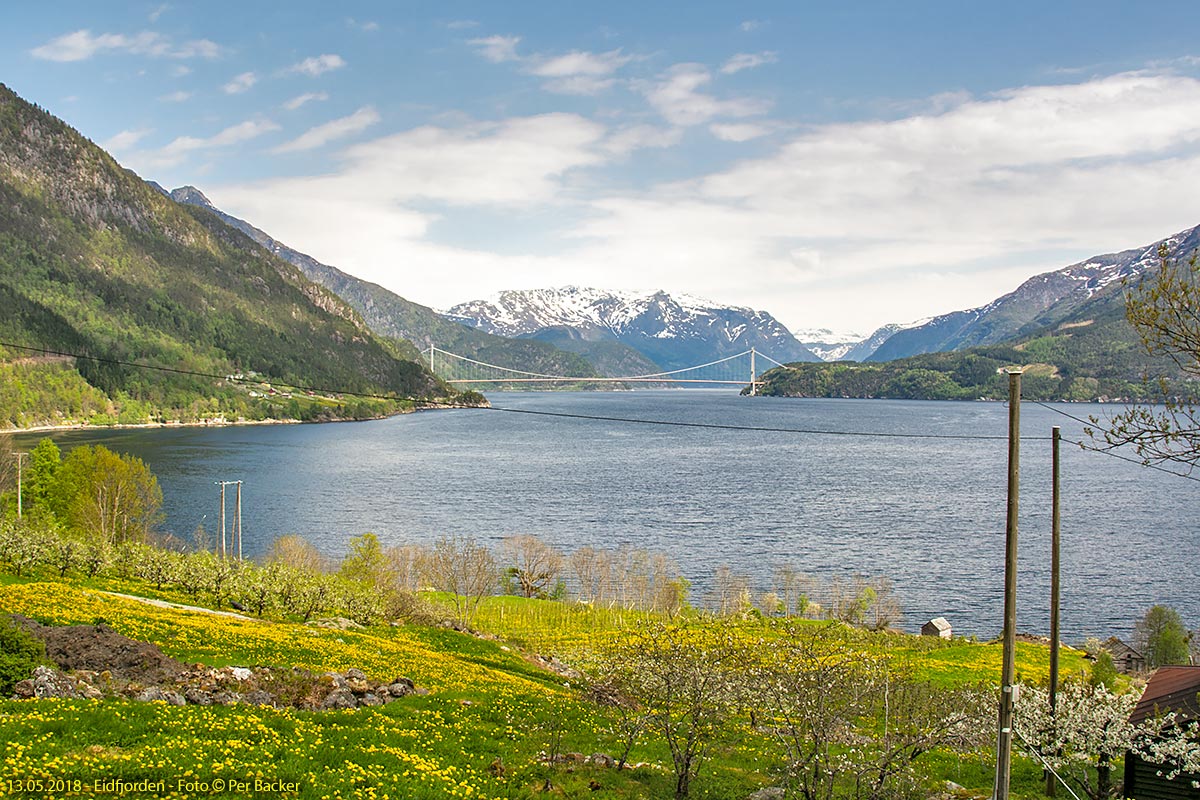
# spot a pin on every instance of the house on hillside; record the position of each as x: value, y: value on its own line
x: 938, y: 626
x: 1125, y: 658
x: 1170, y: 689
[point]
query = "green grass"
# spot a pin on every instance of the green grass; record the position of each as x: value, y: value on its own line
x: 487, y: 702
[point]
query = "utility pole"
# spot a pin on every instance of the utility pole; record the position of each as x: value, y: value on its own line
x: 1055, y: 530
x: 19, y: 456
x: 236, y: 533
x: 431, y: 356
x: 1007, y: 691
x: 238, y: 519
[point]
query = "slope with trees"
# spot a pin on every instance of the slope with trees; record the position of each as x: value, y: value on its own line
x: 98, y: 263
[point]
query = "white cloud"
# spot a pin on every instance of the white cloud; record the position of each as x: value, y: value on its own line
x: 750, y: 25
x: 175, y: 97
x: 240, y: 83
x: 180, y: 70
x: 83, y: 44
x: 178, y: 149
x: 497, y: 49
x: 637, y: 137
x: 321, y: 135
x: 301, y: 99
x: 738, y: 131
x: 743, y: 61
x: 579, y: 62
x: 318, y: 65
x: 676, y: 95
x: 367, y: 26
x: 125, y: 139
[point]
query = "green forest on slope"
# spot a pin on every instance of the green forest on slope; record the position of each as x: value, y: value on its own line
x: 96, y: 262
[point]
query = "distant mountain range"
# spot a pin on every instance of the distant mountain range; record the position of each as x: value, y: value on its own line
x: 673, y: 332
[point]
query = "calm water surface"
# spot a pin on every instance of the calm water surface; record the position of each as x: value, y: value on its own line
x: 928, y: 513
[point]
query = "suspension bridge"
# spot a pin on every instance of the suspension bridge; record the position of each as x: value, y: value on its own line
x: 740, y: 369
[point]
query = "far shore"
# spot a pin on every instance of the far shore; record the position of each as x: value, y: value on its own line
x: 206, y: 423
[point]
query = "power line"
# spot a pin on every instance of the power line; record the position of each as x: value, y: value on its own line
x: 602, y: 418
x: 531, y: 412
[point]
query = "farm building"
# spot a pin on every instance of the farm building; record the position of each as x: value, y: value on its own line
x: 938, y: 626
x: 1125, y: 658
x: 1170, y: 689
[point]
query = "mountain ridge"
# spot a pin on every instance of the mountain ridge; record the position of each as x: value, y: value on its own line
x: 674, y: 332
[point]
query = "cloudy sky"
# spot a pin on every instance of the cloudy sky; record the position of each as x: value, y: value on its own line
x: 841, y: 165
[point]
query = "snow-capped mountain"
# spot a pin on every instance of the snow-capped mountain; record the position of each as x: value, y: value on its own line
x: 826, y: 344
x: 673, y: 332
x: 1042, y: 301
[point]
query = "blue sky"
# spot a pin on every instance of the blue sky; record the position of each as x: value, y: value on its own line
x: 841, y: 165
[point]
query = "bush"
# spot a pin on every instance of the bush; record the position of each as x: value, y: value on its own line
x: 20, y: 652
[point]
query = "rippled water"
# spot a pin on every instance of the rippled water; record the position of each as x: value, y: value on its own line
x: 928, y: 513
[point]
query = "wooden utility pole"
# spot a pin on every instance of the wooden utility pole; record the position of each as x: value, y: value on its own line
x: 1055, y: 529
x: 238, y: 520
x: 19, y: 456
x: 222, y: 517
x: 1004, y: 741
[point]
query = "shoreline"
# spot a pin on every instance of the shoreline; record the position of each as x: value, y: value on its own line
x: 224, y: 423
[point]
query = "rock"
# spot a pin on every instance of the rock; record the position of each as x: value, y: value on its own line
x: 226, y: 698
x: 358, y: 686
x: 602, y: 760
x: 768, y: 793
x: 336, y: 624
x: 335, y: 680
x: 240, y: 673
x: 198, y: 697
x: 370, y: 699
x: 400, y: 689
x: 354, y: 674
x: 23, y: 690
x: 156, y: 693
x: 339, y: 698
x: 258, y: 697
x: 49, y: 682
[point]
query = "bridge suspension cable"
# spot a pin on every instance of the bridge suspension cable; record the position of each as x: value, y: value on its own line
x: 460, y: 369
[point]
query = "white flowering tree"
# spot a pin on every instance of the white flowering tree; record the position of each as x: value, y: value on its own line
x: 1089, y: 731
x: 1172, y: 743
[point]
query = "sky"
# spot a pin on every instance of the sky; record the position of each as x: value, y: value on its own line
x: 840, y: 165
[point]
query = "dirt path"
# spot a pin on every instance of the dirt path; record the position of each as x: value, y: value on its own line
x: 177, y: 606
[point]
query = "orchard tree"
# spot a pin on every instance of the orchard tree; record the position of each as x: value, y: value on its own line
x: 1088, y: 731
x: 464, y: 569
x: 1163, y: 306
x: 534, y: 566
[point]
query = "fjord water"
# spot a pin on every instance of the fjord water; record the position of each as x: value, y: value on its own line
x: 929, y: 513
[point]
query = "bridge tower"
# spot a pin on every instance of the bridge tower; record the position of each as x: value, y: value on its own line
x: 753, y: 375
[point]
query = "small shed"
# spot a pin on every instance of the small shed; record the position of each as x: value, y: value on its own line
x: 938, y: 626
x: 1170, y: 689
x: 1125, y: 658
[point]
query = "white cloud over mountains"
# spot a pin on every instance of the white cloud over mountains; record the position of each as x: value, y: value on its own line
x: 83, y: 44
x: 938, y: 207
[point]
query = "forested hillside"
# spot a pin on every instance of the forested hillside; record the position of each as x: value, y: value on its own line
x: 94, y: 261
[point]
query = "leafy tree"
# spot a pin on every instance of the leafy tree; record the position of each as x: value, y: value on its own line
x: 1164, y: 309
x: 297, y: 553
x: 1162, y: 637
x: 115, y: 497
x: 366, y: 562
x: 39, y: 477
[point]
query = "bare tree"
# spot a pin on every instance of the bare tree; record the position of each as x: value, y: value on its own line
x: 795, y: 589
x: 534, y: 566
x: 296, y: 552
x: 464, y: 569
x: 1163, y: 306
x: 731, y: 592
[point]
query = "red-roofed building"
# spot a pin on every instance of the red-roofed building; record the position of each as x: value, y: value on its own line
x: 1170, y: 689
